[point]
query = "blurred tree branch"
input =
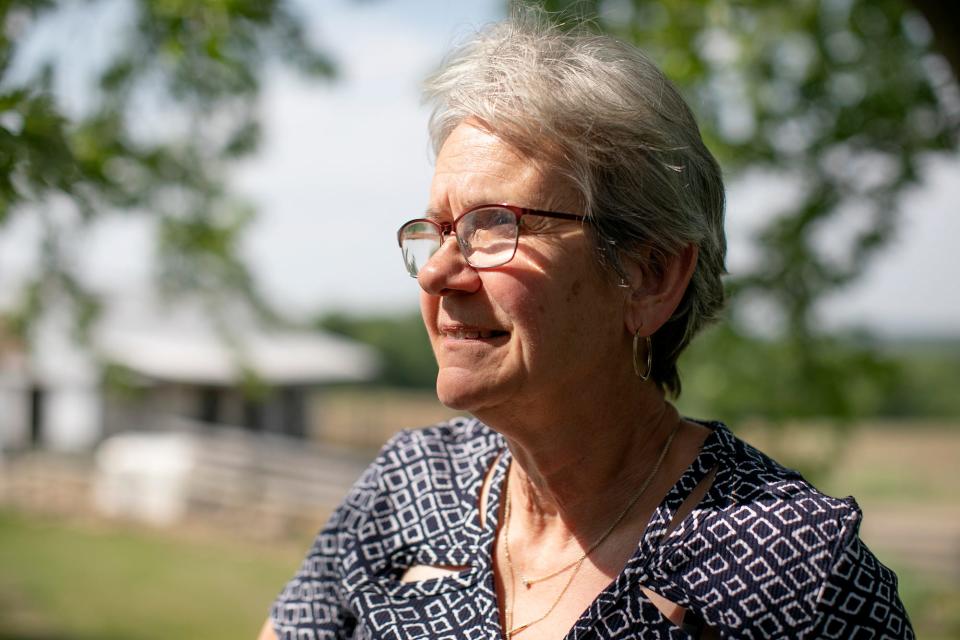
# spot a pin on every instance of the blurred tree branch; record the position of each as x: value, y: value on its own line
x: 945, y: 22
x: 170, y: 109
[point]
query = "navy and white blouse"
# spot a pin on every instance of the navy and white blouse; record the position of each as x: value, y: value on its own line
x: 763, y: 555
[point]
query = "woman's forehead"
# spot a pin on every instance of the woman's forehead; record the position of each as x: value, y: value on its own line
x: 479, y: 150
x: 475, y: 166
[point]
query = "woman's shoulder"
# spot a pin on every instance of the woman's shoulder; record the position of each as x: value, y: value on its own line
x: 459, y: 438
x: 773, y: 514
x: 758, y: 507
x: 766, y: 550
x: 755, y: 483
x: 441, y: 458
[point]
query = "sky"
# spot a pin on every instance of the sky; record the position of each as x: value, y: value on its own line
x: 344, y: 163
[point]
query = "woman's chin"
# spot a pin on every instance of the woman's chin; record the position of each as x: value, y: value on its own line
x: 462, y: 389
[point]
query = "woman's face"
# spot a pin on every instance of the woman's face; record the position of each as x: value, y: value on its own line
x: 531, y: 331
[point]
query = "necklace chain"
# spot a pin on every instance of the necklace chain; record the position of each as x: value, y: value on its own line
x: 511, y: 630
x: 576, y: 564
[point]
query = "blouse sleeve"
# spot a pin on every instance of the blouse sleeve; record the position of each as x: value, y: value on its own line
x: 313, y: 605
x: 859, y: 598
x: 312, y: 600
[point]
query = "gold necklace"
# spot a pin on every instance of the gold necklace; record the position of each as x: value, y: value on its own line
x: 511, y: 630
x: 576, y: 564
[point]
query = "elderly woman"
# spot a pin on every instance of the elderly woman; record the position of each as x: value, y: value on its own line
x: 572, y: 246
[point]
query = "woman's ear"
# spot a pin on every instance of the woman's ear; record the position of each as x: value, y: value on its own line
x: 657, y: 289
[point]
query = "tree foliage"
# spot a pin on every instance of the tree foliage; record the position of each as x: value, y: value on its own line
x: 169, y: 108
x: 840, y: 100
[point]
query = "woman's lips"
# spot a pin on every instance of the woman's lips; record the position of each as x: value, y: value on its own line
x: 470, y: 333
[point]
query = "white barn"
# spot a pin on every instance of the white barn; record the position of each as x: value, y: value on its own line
x: 145, y: 370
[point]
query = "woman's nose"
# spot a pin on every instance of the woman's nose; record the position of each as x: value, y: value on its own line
x: 447, y: 272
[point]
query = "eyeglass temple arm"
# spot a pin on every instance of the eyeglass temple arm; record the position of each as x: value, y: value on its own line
x: 553, y: 214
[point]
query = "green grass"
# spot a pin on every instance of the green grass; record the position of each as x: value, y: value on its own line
x: 891, y: 485
x: 931, y: 604
x: 61, y: 582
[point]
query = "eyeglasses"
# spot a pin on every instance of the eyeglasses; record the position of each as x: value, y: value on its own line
x: 487, y: 235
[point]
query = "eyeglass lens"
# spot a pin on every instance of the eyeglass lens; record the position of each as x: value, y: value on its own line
x: 419, y: 241
x: 487, y: 238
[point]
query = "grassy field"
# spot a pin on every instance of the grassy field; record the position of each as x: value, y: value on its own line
x: 80, y: 580
x: 61, y: 581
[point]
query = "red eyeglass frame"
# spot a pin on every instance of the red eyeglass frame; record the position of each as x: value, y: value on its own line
x: 448, y: 228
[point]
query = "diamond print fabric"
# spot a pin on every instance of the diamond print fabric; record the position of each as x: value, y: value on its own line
x: 764, y: 555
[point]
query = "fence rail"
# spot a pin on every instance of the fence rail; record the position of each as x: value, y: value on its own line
x: 255, y: 485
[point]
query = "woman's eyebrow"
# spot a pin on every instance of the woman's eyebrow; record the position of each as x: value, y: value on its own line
x: 434, y: 212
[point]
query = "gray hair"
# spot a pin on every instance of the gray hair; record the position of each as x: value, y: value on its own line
x: 607, y: 117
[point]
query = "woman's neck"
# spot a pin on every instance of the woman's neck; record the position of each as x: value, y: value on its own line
x: 570, y: 476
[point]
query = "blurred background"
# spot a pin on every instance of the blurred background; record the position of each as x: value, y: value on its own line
x: 206, y: 330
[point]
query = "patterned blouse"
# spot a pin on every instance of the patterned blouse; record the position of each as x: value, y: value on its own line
x: 763, y: 555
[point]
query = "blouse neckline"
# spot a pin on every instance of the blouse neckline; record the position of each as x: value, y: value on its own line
x: 651, y: 547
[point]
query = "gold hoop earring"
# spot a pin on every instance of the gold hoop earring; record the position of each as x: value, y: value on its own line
x: 636, y: 365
